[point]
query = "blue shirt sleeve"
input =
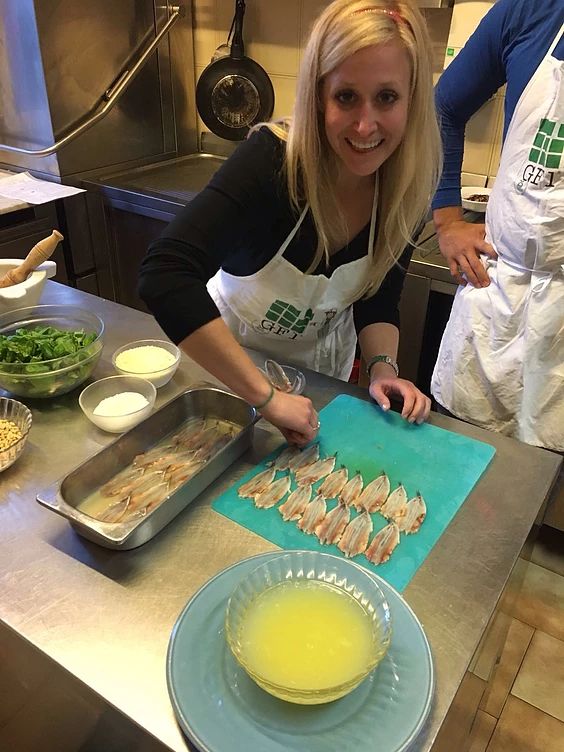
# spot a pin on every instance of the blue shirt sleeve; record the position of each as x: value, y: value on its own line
x: 474, y: 75
x: 507, y: 47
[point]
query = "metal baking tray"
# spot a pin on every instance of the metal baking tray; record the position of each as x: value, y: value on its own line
x: 64, y: 496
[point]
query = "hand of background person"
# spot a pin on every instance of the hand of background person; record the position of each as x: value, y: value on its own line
x: 294, y: 416
x: 461, y: 243
x: 416, y: 406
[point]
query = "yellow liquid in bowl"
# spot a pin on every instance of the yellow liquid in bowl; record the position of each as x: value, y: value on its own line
x: 306, y: 635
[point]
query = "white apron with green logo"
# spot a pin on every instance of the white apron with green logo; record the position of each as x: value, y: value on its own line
x: 303, y: 319
x: 501, y: 360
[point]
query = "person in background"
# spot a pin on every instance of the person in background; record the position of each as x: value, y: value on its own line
x: 501, y: 359
x: 292, y: 249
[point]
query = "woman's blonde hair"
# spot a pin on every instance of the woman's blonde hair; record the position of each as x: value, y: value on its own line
x: 408, y: 178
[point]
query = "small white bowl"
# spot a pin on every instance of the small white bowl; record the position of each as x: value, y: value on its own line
x: 157, y: 378
x: 477, y: 206
x: 91, y: 397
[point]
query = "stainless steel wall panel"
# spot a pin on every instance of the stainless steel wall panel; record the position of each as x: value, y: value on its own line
x: 85, y: 44
x: 72, y: 52
x: 25, y: 119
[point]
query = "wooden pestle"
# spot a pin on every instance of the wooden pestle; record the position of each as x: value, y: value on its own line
x: 40, y: 252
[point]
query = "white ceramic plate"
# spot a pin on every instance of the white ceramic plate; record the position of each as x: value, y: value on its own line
x: 477, y: 206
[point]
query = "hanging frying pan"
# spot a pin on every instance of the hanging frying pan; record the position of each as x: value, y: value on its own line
x: 234, y: 92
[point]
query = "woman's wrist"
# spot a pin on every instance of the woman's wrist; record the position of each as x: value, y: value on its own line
x: 383, y: 363
x: 266, y: 401
x: 382, y: 370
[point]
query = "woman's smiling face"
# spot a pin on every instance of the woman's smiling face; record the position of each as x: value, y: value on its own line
x: 365, y: 104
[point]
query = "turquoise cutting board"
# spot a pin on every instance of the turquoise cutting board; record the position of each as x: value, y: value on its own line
x: 442, y: 466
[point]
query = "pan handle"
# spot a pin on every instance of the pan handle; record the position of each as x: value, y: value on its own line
x: 237, y: 46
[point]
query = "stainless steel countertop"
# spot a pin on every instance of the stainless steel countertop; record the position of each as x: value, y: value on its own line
x: 106, y: 616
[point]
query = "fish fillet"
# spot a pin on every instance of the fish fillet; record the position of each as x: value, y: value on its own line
x: 313, y: 473
x: 257, y: 484
x: 331, y: 528
x: 313, y: 515
x: 189, y: 432
x: 396, y: 504
x: 415, y: 512
x: 282, y: 462
x: 295, y: 505
x: 334, y: 483
x: 352, y: 490
x: 355, y: 537
x: 149, y: 497
x: 374, y: 494
x: 180, y: 474
x: 116, y: 511
x: 273, y: 493
x: 138, y: 484
x: 304, y: 457
x: 383, y: 544
x: 115, y: 486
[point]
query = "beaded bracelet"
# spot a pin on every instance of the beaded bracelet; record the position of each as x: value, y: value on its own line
x: 266, y: 401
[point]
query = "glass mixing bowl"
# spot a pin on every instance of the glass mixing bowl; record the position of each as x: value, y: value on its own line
x: 53, y: 376
x: 348, y: 578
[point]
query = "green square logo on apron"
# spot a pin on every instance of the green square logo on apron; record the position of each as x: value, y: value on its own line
x: 548, y: 145
x: 288, y: 316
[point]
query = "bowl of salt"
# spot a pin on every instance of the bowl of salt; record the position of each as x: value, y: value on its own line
x: 118, y: 403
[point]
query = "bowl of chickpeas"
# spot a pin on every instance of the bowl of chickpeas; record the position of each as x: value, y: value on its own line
x: 15, y: 424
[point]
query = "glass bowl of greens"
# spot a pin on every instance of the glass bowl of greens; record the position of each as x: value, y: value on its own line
x: 48, y: 350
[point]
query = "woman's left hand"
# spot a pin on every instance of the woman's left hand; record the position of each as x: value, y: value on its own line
x: 416, y: 406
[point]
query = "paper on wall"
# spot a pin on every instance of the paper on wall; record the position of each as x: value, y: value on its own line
x: 24, y: 187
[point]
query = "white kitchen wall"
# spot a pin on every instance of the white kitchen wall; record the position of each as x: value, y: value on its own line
x: 275, y: 34
x: 482, y: 146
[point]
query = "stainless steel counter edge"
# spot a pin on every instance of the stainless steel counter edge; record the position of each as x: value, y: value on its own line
x: 106, y: 616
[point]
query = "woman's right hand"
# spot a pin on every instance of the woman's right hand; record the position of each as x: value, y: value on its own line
x: 294, y: 416
x: 461, y: 243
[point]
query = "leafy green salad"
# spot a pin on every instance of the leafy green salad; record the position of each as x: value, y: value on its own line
x: 37, y: 352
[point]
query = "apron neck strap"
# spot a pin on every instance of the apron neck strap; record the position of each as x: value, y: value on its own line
x: 372, y: 233
x: 290, y: 237
x: 555, y: 41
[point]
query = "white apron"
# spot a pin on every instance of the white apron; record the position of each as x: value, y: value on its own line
x: 501, y: 360
x: 296, y: 318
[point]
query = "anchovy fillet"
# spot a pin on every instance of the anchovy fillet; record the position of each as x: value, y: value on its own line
x: 383, y: 544
x: 257, y: 484
x: 352, y: 490
x: 374, y: 494
x: 355, y: 537
x: 396, y: 505
x: 334, y: 483
x: 415, y: 511
x: 313, y: 473
x: 313, y: 515
x: 304, y: 457
x: 282, y: 462
x: 296, y: 503
x: 273, y: 493
x: 331, y: 528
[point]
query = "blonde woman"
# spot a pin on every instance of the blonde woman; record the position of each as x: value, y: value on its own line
x: 296, y: 246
